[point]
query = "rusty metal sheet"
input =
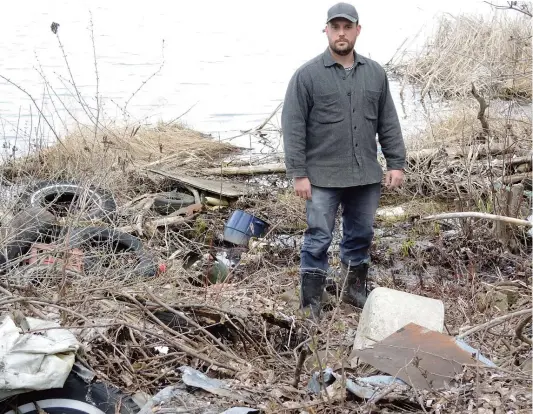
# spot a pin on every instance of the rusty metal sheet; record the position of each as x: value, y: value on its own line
x: 422, y: 358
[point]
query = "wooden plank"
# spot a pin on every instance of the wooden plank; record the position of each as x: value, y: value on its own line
x: 246, y: 169
x: 224, y: 188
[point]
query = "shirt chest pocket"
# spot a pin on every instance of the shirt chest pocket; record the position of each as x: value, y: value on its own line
x: 371, y: 104
x: 327, y: 109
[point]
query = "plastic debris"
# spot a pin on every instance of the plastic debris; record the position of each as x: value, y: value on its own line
x: 241, y: 410
x: 194, y: 378
x: 172, y: 397
x: 390, y: 212
x: 387, y: 310
x: 37, y: 360
x: 361, y: 387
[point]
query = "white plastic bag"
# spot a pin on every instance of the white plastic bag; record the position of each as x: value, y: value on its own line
x: 35, y: 360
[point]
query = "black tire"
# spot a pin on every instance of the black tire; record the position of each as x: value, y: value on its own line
x: 62, y: 197
x: 166, y: 203
x: 76, y: 397
x: 119, y: 241
x: 26, y: 228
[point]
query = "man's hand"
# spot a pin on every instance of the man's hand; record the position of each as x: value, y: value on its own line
x: 393, y: 179
x: 302, y: 187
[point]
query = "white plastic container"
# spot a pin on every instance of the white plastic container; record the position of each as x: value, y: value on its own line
x: 387, y: 310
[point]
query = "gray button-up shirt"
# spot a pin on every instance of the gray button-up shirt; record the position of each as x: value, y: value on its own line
x: 330, y: 119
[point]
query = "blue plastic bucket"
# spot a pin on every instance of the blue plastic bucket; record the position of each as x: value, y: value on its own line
x: 241, y: 226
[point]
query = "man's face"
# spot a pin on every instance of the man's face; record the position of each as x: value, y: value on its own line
x: 342, y: 35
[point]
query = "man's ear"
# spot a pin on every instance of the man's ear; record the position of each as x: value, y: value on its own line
x: 358, y: 29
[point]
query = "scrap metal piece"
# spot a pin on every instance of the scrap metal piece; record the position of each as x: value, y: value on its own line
x: 422, y: 358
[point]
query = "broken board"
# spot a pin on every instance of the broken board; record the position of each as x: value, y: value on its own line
x: 224, y: 188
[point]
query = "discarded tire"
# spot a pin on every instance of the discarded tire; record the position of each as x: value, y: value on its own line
x: 166, y: 203
x: 69, y: 197
x: 76, y: 397
x: 26, y: 228
x: 117, y: 241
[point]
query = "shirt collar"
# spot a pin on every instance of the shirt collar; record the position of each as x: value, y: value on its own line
x: 329, y: 61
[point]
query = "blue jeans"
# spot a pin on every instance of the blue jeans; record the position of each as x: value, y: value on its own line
x: 359, y: 208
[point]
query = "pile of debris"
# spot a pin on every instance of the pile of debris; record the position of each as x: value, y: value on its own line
x: 181, y: 294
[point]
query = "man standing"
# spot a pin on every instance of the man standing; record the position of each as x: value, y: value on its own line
x: 334, y: 106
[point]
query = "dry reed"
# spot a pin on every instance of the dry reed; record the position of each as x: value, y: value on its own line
x: 492, y: 53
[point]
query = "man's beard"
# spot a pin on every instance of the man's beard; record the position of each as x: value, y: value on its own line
x: 342, y: 51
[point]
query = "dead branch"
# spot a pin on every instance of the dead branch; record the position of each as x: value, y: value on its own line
x: 512, y: 5
x: 516, y: 178
x: 299, y: 365
x: 520, y: 328
x: 166, y: 221
x: 147, y: 205
x: 38, y: 109
x: 494, y: 322
x: 510, y: 220
x: 180, y: 346
x: 482, y: 108
x: 191, y: 322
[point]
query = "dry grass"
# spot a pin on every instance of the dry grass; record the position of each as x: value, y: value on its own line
x: 116, y: 153
x: 493, y: 53
x: 458, y: 125
x: 454, y: 157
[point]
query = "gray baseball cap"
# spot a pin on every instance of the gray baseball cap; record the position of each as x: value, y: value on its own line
x: 344, y: 10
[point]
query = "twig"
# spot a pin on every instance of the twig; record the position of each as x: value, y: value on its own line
x: 81, y: 100
x: 196, y: 325
x: 97, y: 96
x: 145, y: 207
x: 269, y: 117
x: 136, y: 199
x: 374, y: 400
x: 511, y: 6
x: 494, y: 322
x: 149, y: 78
x: 37, y: 106
x: 482, y: 108
x: 299, y: 366
x: 67, y: 310
x: 181, y: 347
x: 520, y: 328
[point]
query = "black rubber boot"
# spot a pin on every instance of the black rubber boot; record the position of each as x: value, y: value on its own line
x: 355, y: 289
x: 312, y: 285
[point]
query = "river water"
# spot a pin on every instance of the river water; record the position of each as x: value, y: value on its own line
x: 221, y: 67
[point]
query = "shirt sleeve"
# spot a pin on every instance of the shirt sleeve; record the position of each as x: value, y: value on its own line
x: 294, y: 125
x: 389, y: 130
